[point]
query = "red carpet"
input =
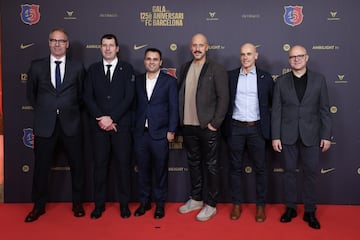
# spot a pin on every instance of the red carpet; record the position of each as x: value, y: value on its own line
x: 337, y: 222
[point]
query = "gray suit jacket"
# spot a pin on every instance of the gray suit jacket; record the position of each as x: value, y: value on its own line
x: 212, y: 96
x: 309, y: 119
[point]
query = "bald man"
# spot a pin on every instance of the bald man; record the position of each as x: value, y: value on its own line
x: 301, y: 126
x: 203, y: 102
x: 248, y: 127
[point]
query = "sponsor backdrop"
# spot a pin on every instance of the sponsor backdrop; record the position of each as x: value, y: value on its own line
x: 327, y: 28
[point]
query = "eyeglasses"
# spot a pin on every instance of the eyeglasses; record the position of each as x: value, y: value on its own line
x: 301, y: 56
x: 58, y: 41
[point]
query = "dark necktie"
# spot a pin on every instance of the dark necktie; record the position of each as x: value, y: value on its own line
x: 57, y: 75
x: 108, y: 72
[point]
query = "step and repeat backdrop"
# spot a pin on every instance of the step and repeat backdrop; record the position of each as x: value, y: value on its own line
x: 327, y: 28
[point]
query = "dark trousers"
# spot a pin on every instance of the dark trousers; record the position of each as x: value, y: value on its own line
x: 202, y: 153
x: 152, y: 157
x: 44, y: 149
x: 115, y: 146
x: 310, y: 159
x: 248, y: 138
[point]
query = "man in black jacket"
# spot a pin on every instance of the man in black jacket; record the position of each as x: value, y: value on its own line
x: 248, y: 127
x: 54, y: 89
x: 109, y: 95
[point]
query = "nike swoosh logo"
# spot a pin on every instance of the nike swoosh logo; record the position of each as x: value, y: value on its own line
x: 22, y: 46
x: 323, y: 171
x: 136, y: 47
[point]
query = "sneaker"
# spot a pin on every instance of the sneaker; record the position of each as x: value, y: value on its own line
x: 206, y: 213
x: 190, y: 206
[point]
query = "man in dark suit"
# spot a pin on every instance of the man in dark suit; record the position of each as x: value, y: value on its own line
x: 203, y: 103
x: 109, y: 95
x: 156, y: 119
x: 54, y: 89
x: 301, y: 126
x: 248, y: 127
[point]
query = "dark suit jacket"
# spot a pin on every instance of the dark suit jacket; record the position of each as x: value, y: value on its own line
x: 265, y: 85
x: 115, y: 98
x: 162, y: 110
x: 49, y: 104
x: 212, y: 96
x: 309, y: 119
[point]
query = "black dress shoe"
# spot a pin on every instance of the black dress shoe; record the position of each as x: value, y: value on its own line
x: 142, y: 209
x: 97, y: 213
x: 289, y: 214
x: 34, y: 215
x: 78, y: 210
x: 159, y: 212
x: 311, y: 219
x: 125, y: 211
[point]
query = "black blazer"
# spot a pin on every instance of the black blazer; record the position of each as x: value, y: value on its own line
x: 265, y: 85
x: 162, y: 110
x: 115, y: 98
x: 49, y: 104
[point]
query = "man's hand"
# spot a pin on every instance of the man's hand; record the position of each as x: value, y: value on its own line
x: 170, y: 136
x: 211, y: 127
x: 106, y: 123
x: 276, y: 144
x: 325, y: 145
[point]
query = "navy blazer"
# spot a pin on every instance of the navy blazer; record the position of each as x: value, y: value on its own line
x: 115, y: 98
x: 265, y: 86
x: 309, y: 119
x: 50, y: 104
x: 162, y: 110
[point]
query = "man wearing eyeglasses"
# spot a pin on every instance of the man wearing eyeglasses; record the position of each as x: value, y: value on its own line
x: 301, y: 127
x: 54, y: 90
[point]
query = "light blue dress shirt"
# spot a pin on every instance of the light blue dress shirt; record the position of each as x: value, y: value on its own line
x: 246, y: 107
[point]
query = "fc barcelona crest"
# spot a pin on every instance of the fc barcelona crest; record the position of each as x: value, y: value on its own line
x: 30, y: 14
x: 28, y: 137
x: 170, y: 71
x: 293, y: 15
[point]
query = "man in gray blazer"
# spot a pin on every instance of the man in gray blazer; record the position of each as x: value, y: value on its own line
x: 301, y: 126
x: 54, y: 90
x: 203, y: 103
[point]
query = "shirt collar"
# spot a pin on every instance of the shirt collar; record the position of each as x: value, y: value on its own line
x: 53, y: 59
x: 113, y: 62
x: 252, y: 71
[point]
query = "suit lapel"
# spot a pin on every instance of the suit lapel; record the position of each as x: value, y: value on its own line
x: 143, y: 86
x: 68, y: 71
x: 259, y: 77
x: 201, y: 76
x: 48, y: 74
x: 309, y: 86
x: 116, y: 74
x: 157, y: 84
x: 291, y: 87
x: 233, y: 85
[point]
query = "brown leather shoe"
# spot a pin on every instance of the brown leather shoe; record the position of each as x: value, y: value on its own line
x: 260, y: 214
x: 235, y: 212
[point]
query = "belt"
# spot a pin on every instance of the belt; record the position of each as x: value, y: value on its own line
x: 246, y: 124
